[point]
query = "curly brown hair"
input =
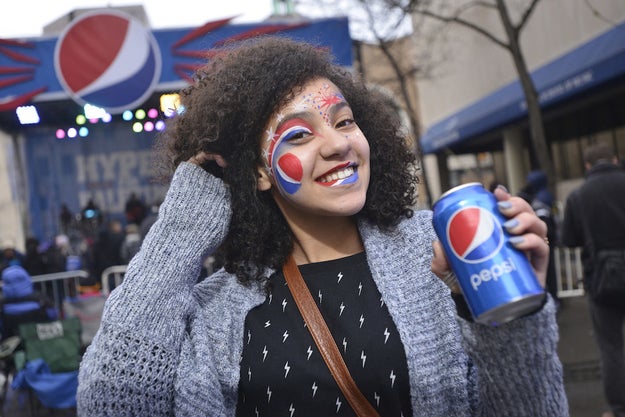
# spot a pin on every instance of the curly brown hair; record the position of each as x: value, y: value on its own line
x: 226, y: 111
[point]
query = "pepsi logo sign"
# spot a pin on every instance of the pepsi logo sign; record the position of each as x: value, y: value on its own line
x: 108, y: 59
x: 474, y: 234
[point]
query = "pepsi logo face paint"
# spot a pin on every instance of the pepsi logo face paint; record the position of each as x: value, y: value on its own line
x: 123, y: 72
x: 289, y: 173
x: 474, y: 234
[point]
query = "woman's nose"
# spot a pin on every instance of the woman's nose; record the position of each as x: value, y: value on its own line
x: 335, y: 143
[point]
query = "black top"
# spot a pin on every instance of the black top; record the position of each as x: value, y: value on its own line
x: 282, y: 372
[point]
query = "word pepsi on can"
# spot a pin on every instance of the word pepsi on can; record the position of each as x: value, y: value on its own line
x: 496, y: 279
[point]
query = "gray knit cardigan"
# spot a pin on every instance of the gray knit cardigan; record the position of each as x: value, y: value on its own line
x: 169, y: 346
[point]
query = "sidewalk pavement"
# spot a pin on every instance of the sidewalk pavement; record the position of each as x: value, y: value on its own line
x: 580, y: 358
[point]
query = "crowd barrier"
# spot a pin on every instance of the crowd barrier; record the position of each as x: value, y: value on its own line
x: 56, y: 286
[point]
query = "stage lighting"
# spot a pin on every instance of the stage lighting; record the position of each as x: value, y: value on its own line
x: 170, y: 104
x: 93, y: 112
x: 27, y: 115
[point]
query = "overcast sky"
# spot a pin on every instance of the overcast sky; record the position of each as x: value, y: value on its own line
x: 26, y: 18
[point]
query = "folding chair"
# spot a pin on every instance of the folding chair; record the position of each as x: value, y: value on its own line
x: 52, y: 357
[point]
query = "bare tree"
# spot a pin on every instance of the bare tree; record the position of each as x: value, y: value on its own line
x: 453, y: 13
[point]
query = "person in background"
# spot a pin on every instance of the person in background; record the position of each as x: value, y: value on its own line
x: 594, y: 219
x: 10, y: 255
x: 20, y: 303
x: 135, y: 209
x: 280, y: 156
x: 34, y: 261
x: 542, y: 201
x: 107, y: 248
x: 131, y: 244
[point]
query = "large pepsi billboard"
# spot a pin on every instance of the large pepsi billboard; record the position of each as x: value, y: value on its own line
x: 109, y: 59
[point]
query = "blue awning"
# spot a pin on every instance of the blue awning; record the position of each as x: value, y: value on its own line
x: 594, y: 63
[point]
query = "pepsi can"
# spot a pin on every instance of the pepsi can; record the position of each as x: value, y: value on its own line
x: 496, y: 279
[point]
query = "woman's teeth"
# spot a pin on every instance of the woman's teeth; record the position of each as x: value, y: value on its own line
x: 338, y: 175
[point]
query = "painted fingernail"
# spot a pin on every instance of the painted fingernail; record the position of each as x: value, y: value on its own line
x: 516, y: 240
x: 504, y: 205
x: 503, y: 187
x: 511, y: 224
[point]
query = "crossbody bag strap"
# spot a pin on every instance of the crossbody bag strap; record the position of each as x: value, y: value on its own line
x: 324, y: 340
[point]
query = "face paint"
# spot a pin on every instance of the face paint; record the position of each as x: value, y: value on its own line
x: 288, y: 169
x: 313, y: 126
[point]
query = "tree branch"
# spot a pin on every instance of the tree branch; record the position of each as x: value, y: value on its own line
x: 466, y: 23
x: 526, y: 16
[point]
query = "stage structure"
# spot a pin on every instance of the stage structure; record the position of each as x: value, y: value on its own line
x: 79, y: 112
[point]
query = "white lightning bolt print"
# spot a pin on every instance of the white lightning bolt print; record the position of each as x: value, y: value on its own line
x: 284, y: 304
x: 268, y: 394
x: 341, y: 308
x: 249, y: 336
x: 392, y: 376
x: 377, y: 399
x: 359, y: 288
x: 249, y: 374
x: 361, y: 320
x: 340, y: 276
x: 291, y: 409
x: 344, y: 345
x: 267, y: 323
x: 265, y: 351
x: 309, y: 351
x: 314, y: 388
x: 363, y: 357
x: 386, y: 335
x: 381, y: 302
x: 320, y: 297
x: 285, y: 335
x: 256, y: 411
x: 270, y: 297
x: 287, y: 368
x: 338, y: 404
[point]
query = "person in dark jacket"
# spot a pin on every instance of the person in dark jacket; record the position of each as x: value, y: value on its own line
x: 594, y: 218
x: 541, y: 200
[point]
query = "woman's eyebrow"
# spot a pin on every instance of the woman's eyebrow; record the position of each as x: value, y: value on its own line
x: 293, y: 116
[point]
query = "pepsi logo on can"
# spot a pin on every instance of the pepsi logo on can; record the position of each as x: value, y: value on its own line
x: 496, y: 279
x: 108, y: 59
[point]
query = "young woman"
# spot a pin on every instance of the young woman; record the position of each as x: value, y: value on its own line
x: 279, y: 152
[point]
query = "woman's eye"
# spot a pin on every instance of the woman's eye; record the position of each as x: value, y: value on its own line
x: 345, y: 122
x: 295, y: 133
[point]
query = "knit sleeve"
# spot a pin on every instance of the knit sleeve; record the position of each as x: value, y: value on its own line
x: 130, y: 367
x: 516, y: 367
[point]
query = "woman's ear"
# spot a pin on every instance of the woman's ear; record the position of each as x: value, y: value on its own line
x: 263, y: 183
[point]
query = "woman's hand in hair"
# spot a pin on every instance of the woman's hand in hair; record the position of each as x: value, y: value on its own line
x: 211, y: 162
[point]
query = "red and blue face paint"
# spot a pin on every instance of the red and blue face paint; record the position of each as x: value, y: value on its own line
x: 288, y: 168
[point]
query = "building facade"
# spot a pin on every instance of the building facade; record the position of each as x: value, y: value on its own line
x: 472, y: 110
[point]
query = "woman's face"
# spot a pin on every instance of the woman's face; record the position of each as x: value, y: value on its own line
x: 315, y: 156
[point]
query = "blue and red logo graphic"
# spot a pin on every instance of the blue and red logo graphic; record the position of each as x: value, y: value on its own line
x: 108, y: 59
x: 474, y: 234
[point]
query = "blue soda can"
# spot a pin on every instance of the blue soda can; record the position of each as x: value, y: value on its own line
x: 496, y: 279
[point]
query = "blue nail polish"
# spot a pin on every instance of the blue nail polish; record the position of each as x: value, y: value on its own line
x: 511, y: 224
x: 504, y: 205
x: 516, y: 240
x: 503, y: 187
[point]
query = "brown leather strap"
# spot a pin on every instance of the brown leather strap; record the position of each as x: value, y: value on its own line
x: 324, y: 340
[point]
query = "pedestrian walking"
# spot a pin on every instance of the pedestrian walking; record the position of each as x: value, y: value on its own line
x: 594, y: 218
